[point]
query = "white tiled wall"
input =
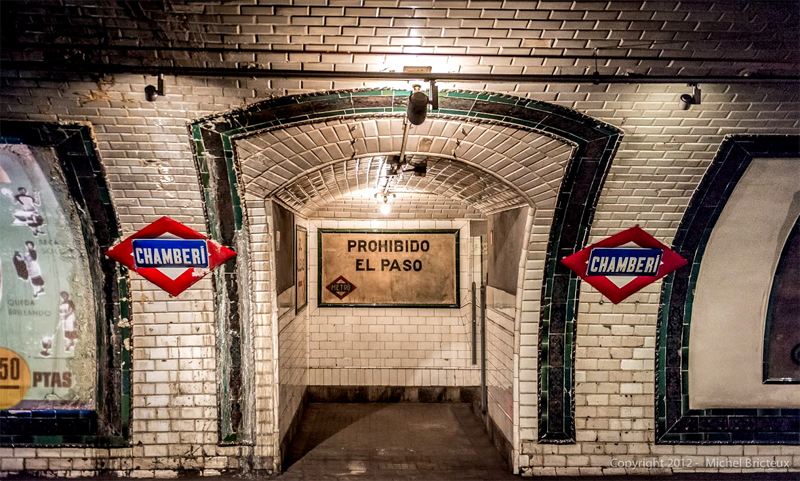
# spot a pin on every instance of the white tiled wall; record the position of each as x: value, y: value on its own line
x: 408, y: 207
x: 499, y: 367
x: 391, y: 346
x: 148, y: 161
x: 261, y: 303
x: 292, y: 360
x: 665, y: 152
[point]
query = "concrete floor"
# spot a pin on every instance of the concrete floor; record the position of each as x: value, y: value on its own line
x: 419, y: 442
x: 382, y: 441
x: 413, y: 442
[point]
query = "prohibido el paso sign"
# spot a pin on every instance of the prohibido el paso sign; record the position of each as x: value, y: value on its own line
x: 388, y: 268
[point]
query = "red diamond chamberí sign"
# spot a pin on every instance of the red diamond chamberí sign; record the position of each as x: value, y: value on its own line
x: 170, y: 255
x: 624, y: 263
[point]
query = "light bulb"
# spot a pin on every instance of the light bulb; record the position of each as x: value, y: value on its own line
x: 385, y: 209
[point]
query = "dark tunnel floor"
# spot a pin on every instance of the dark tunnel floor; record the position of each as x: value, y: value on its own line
x: 384, y: 441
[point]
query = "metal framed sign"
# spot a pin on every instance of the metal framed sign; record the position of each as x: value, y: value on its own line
x: 388, y: 268
x: 624, y: 263
x: 170, y: 255
x: 301, y: 267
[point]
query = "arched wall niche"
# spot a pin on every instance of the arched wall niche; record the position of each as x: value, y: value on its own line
x: 677, y: 422
x: 574, y: 153
x: 78, y: 188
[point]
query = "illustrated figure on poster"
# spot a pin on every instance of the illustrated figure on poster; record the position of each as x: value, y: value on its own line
x: 66, y: 314
x: 28, y: 212
x: 28, y: 268
x: 47, y: 344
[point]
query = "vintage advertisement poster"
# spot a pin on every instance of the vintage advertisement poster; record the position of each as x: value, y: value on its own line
x: 283, y: 231
x: 301, y: 279
x: 388, y: 268
x: 47, y: 307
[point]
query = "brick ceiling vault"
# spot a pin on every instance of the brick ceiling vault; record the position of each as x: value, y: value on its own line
x: 481, y: 166
x: 698, y: 38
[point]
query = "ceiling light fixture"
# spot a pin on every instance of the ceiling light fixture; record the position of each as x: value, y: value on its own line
x: 385, y: 209
x: 418, y: 102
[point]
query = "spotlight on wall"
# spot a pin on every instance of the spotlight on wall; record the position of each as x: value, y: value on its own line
x: 417, y: 106
x: 418, y: 103
x: 689, y: 100
x: 152, y: 93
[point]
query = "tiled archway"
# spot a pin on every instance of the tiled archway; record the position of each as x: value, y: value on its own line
x: 273, y: 147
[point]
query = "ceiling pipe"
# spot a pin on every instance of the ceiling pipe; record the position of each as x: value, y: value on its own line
x: 404, y: 143
x: 257, y: 50
x: 401, y: 160
x: 401, y: 76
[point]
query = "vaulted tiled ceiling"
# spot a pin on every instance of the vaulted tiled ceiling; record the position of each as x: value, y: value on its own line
x: 445, y: 177
x: 464, y: 36
x: 481, y: 165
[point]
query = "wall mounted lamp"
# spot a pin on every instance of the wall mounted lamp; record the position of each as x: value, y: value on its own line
x: 152, y: 93
x: 689, y: 100
x: 418, y: 102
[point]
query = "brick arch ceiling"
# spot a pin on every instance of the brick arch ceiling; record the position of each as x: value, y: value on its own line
x: 482, y: 165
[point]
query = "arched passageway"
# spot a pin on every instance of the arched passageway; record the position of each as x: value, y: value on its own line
x: 289, y: 167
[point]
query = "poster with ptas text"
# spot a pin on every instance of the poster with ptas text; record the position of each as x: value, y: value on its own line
x: 47, y: 300
x: 388, y: 268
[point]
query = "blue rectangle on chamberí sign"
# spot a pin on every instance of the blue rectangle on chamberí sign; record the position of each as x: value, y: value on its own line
x: 623, y: 261
x: 170, y: 253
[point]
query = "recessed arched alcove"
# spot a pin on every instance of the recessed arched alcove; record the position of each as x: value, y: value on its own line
x: 323, y: 155
x: 724, y: 203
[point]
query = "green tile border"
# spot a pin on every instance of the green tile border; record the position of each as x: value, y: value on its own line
x: 109, y: 423
x: 222, y: 205
x: 595, y: 144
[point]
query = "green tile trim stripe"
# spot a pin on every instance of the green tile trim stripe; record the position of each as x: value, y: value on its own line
x: 230, y: 124
x: 109, y: 423
x: 594, y: 143
x: 675, y: 422
x: 233, y: 180
x: 576, y: 203
x: 223, y: 210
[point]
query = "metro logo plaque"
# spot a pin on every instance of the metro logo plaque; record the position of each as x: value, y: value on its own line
x: 341, y: 287
x: 170, y: 255
x: 624, y: 263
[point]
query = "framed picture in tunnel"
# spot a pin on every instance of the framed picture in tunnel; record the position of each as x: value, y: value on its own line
x: 47, y: 309
x: 301, y: 265
x: 64, y: 312
x: 388, y: 268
